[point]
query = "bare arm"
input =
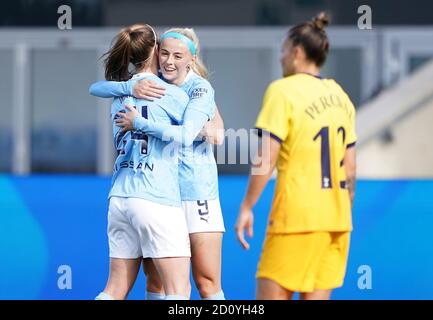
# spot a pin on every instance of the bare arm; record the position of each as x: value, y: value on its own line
x: 213, y: 130
x: 350, y: 166
x: 257, y: 182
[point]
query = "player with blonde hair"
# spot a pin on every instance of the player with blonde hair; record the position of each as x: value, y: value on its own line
x: 180, y: 64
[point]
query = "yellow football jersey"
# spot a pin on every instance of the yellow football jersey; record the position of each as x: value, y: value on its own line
x: 314, y: 120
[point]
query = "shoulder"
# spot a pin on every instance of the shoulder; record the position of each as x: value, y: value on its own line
x: 171, y: 91
x: 295, y: 82
x: 284, y: 84
x: 199, y: 86
x: 338, y: 89
x: 279, y: 88
x: 333, y: 84
x: 200, y: 81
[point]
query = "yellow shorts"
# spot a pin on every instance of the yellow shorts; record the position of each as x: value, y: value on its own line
x: 305, y: 262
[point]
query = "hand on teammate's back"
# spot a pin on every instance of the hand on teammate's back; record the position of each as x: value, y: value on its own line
x: 148, y: 89
x: 126, y: 119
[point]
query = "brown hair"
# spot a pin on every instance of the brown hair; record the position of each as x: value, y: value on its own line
x: 312, y: 37
x: 133, y: 44
x: 198, y: 65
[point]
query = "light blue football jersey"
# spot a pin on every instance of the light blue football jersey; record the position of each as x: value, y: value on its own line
x: 198, y: 176
x: 147, y: 167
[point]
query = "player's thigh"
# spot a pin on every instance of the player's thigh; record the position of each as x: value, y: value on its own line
x: 268, y: 289
x: 316, y: 295
x: 206, y: 254
x: 174, y: 273
x: 153, y: 280
x: 124, y: 272
x: 149, y: 268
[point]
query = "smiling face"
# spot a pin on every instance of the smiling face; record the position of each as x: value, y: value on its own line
x: 174, y: 59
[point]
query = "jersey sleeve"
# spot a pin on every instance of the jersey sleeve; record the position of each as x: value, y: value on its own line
x: 109, y: 89
x: 202, y: 98
x: 274, y: 117
x: 184, y: 134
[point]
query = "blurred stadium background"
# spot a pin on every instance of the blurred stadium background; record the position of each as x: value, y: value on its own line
x: 55, y: 140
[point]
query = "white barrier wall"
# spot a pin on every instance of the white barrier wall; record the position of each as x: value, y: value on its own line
x: 408, y: 155
x: 395, y: 129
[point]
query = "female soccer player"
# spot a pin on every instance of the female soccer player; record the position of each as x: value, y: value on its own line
x: 180, y: 64
x: 145, y: 218
x: 308, y: 125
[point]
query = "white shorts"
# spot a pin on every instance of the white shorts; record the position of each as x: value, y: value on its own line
x: 203, y: 216
x: 142, y: 228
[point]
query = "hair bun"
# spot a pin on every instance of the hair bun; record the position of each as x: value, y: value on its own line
x: 321, y: 20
